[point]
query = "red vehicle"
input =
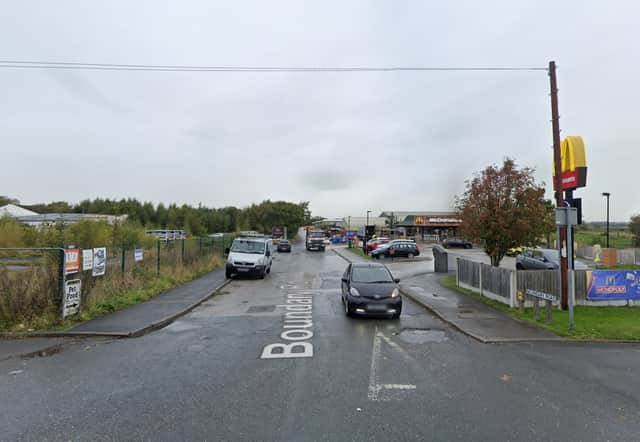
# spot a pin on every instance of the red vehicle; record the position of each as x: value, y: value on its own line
x: 374, y: 243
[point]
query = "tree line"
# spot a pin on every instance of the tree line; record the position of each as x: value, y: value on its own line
x: 196, y: 221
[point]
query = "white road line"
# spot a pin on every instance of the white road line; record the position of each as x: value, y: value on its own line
x: 374, y: 387
x: 396, y: 347
x: 398, y: 386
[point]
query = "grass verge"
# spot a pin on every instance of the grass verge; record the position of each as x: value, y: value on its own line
x: 358, y: 251
x: 614, y: 323
x: 624, y: 267
x: 111, y: 295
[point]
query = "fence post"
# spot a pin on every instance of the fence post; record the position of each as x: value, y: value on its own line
x: 124, y: 255
x: 513, y: 289
x: 200, y: 246
x: 158, y: 259
x: 183, y: 240
x: 457, y: 271
x: 61, y: 277
x: 480, y: 278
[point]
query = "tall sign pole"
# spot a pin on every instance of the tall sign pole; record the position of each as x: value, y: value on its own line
x: 557, y: 158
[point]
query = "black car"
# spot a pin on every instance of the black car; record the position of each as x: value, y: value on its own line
x: 284, y: 246
x: 370, y: 289
x: 456, y: 242
x: 397, y: 249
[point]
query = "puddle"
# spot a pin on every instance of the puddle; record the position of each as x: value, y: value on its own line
x: 181, y: 326
x: 415, y: 336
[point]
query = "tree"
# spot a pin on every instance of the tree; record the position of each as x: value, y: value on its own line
x: 391, y: 221
x: 4, y: 200
x: 634, y: 228
x: 503, y: 207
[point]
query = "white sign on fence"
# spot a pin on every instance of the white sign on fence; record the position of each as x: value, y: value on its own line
x: 99, y: 261
x: 541, y: 295
x: 138, y: 254
x: 87, y: 259
x: 72, y: 293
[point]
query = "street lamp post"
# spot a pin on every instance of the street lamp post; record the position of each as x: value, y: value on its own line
x: 607, y: 195
x: 365, y: 232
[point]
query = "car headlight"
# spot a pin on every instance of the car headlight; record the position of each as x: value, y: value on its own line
x: 395, y: 293
x: 354, y: 291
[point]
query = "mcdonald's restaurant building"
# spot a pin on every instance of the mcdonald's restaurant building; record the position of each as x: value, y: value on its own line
x: 426, y: 225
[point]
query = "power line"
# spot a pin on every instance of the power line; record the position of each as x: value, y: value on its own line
x: 20, y: 64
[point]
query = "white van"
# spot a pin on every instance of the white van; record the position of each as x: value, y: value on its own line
x: 249, y: 256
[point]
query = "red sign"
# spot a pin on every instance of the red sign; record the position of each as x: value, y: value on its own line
x: 392, y: 251
x: 572, y: 179
x: 72, y: 260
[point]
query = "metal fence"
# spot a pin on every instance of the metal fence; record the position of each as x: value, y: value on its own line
x: 32, y: 280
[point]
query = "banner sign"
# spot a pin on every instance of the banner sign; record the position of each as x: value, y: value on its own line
x: 138, y: 254
x: 72, y: 260
x: 87, y: 259
x: 72, y: 291
x: 99, y: 261
x: 614, y: 285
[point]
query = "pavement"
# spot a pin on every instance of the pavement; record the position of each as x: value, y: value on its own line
x: 133, y: 321
x: 471, y: 317
x: 418, y: 378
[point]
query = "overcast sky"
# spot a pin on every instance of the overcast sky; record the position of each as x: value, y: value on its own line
x: 346, y: 142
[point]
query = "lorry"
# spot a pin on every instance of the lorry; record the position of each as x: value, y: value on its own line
x: 315, y: 240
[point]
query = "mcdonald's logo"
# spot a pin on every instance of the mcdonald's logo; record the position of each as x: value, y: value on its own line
x: 574, y: 163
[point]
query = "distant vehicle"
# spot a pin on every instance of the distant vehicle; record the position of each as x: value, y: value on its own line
x: 249, y: 256
x: 315, y: 240
x: 397, y: 249
x: 370, y: 289
x: 374, y: 243
x: 284, y: 246
x: 542, y: 259
x: 515, y: 251
x: 456, y: 242
x: 216, y: 235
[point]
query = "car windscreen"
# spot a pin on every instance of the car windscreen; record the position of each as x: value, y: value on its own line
x: 370, y: 275
x: 247, y: 246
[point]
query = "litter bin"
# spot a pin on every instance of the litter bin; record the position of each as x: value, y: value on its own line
x: 441, y: 259
x: 349, y: 243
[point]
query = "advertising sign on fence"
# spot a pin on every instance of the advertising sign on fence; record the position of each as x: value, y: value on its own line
x: 87, y: 259
x: 138, y: 255
x: 72, y: 260
x: 99, y: 261
x: 612, y: 285
x: 72, y: 293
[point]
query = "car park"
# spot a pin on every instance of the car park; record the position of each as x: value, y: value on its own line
x: 370, y: 289
x: 397, y: 249
x: 542, y: 259
x: 284, y: 246
x: 456, y: 242
x: 249, y: 256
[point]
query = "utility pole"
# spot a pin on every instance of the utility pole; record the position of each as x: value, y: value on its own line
x: 557, y: 158
x: 607, y: 194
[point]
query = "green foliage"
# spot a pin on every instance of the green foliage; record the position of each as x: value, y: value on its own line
x: 634, y: 228
x: 503, y: 207
x: 12, y: 232
x: 268, y: 214
x: 4, y: 200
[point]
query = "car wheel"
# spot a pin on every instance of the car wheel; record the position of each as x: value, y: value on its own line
x: 467, y: 246
x: 519, y: 266
x: 269, y: 269
x: 396, y: 315
x: 227, y: 275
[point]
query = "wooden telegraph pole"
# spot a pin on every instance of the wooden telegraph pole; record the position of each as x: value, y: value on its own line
x: 557, y: 158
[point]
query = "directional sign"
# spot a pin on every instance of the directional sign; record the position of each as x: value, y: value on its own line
x: 72, y: 291
x: 541, y: 295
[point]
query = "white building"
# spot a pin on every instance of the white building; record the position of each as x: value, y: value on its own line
x: 15, y: 211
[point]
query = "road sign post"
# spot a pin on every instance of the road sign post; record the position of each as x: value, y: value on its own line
x: 566, y: 218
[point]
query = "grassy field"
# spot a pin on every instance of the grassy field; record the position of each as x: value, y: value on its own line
x: 617, y: 239
x: 358, y: 251
x: 615, y: 323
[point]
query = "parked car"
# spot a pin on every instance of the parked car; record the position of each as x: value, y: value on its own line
x: 542, y: 259
x: 370, y: 289
x: 456, y: 242
x: 397, y: 249
x: 374, y: 243
x: 284, y: 246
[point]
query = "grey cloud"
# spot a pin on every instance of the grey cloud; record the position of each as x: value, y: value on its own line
x: 323, y: 180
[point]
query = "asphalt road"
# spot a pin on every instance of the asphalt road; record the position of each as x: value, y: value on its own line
x: 203, y: 378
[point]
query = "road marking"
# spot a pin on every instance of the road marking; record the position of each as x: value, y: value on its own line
x: 374, y: 382
x: 374, y: 388
x: 398, y: 386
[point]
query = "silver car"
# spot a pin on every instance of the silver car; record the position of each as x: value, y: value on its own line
x: 542, y: 259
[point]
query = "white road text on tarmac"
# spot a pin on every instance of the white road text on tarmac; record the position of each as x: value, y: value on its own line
x: 298, y: 327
